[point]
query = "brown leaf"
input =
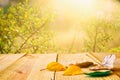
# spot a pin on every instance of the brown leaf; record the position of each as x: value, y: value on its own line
x: 84, y: 64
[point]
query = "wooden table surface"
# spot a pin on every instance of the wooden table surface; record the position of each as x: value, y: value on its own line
x: 28, y: 66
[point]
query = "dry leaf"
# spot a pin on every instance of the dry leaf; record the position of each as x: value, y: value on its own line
x: 84, y: 64
x: 73, y: 70
x: 55, y: 66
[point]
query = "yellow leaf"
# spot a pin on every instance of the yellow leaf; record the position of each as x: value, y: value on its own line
x: 55, y: 66
x: 73, y: 70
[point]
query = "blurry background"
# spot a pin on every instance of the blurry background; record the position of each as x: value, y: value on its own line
x: 81, y: 25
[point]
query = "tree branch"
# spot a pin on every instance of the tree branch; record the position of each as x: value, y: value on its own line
x: 95, y: 39
x: 17, y: 51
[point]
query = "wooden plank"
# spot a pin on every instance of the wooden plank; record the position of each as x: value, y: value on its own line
x: 28, y: 68
x: 2, y: 56
x: 111, y: 77
x: 8, y: 59
x: 41, y: 63
x: 100, y: 57
x: 20, y: 69
x: 67, y: 59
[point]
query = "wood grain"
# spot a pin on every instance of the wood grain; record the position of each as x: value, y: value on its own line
x: 8, y: 59
x: 19, y: 70
x: 27, y: 67
x: 41, y: 63
x: 100, y: 57
x: 67, y: 59
x: 2, y: 56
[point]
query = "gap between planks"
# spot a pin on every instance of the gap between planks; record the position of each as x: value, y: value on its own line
x: 55, y: 71
x: 17, y: 70
x: 41, y: 63
x: 56, y: 59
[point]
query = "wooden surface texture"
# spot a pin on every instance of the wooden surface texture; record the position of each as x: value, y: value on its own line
x: 28, y: 66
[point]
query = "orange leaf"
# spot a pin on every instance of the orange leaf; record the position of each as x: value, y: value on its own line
x: 55, y: 66
x: 73, y: 70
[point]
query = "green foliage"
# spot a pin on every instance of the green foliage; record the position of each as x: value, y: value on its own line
x: 24, y: 28
x: 98, y: 35
x: 117, y: 49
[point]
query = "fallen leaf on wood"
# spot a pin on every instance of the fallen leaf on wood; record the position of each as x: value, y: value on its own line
x: 73, y: 70
x: 99, y: 73
x: 84, y: 64
x: 55, y: 66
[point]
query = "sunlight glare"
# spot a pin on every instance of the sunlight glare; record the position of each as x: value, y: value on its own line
x: 78, y: 6
x: 86, y: 2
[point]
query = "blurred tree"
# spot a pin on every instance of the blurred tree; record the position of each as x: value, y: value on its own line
x: 99, y: 35
x: 117, y: 49
x: 25, y: 28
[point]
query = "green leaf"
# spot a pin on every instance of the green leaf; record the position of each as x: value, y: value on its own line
x: 99, y: 73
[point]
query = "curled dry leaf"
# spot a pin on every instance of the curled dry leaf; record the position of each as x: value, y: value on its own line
x: 84, y: 64
x: 55, y: 66
x: 73, y: 70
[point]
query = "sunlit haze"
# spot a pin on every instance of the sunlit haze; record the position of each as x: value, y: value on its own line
x: 73, y: 15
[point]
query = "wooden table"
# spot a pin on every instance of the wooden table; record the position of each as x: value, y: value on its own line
x: 28, y: 66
